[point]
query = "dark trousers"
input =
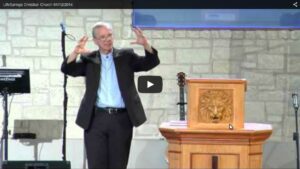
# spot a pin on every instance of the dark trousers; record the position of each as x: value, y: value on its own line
x: 108, y: 141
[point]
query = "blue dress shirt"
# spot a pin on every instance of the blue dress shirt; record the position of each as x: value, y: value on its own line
x: 108, y: 94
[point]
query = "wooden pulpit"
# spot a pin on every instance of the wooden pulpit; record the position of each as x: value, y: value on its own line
x: 215, y: 135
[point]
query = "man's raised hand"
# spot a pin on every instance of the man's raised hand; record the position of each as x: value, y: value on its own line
x: 141, y: 39
x: 79, y: 49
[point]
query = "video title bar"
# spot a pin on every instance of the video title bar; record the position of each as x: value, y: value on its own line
x: 149, y: 4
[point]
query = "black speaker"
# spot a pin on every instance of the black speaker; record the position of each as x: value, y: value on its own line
x: 36, y: 165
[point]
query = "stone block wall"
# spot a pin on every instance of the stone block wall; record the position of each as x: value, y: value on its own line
x: 268, y: 59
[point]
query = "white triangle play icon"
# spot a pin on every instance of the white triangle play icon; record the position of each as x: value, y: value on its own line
x: 149, y: 84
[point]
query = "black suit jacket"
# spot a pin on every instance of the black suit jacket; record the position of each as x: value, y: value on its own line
x: 126, y: 62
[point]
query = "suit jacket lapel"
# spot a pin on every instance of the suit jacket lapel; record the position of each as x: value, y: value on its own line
x: 93, y: 57
x: 97, y: 67
x: 116, y: 55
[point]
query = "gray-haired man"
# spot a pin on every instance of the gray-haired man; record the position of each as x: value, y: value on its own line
x: 111, y: 105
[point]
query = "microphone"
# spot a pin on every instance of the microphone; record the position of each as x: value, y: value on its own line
x: 63, y: 27
x: 295, y: 100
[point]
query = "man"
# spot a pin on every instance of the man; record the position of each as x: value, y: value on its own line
x: 111, y: 105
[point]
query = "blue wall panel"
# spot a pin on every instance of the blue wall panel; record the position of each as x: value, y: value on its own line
x: 217, y: 18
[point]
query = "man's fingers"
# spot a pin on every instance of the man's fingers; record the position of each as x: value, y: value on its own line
x: 136, y: 32
x: 139, y: 30
x: 83, y: 41
x: 86, y: 38
x: 80, y: 47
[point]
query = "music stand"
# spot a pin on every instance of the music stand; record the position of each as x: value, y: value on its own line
x: 11, y: 81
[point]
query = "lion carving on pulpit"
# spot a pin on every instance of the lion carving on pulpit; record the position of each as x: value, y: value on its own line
x: 216, y: 106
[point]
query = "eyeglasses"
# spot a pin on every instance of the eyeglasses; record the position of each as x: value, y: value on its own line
x: 105, y: 38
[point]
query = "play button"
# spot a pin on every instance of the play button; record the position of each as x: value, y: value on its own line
x: 150, y: 84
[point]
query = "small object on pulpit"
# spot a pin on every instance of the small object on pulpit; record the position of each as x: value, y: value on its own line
x: 230, y: 127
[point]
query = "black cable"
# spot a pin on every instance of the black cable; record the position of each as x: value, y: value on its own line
x: 65, y: 101
x: 71, y: 37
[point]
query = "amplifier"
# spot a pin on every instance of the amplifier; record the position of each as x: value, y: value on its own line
x: 36, y: 165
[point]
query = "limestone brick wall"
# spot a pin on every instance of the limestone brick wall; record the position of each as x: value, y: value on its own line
x: 268, y: 59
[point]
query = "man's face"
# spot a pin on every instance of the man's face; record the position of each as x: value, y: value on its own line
x: 103, y: 39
